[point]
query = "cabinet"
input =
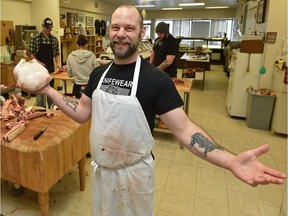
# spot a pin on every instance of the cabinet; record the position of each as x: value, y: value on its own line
x: 7, y: 77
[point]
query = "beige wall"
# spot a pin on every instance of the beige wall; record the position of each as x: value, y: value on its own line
x: 40, y: 9
x: 102, y: 10
x: 17, y: 11
x: 30, y: 12
x: 276, y: 21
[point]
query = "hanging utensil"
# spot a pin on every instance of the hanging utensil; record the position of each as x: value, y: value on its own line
x: 263, y: 68
x: 248, y: 65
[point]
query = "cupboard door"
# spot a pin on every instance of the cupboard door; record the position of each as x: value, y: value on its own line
x: 7, y: 77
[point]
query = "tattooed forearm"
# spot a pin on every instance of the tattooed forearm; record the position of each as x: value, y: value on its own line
x: 163, y: 65
x: 203, y: 142
x: 71, y: 102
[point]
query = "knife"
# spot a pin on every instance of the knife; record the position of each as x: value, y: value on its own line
x: 39, y: 133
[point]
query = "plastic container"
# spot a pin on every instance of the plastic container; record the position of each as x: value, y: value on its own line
x: 260, y: 111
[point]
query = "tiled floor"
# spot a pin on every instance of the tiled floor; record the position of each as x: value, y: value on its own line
x: 185, y: 185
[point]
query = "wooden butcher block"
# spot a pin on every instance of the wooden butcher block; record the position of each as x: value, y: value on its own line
x: 39, y: 164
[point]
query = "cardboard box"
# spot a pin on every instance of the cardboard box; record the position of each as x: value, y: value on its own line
x: 252, y: 46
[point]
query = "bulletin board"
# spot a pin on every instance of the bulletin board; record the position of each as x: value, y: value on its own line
x: 7, y: 33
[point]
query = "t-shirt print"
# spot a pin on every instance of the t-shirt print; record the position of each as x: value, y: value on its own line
x: 116, y: 86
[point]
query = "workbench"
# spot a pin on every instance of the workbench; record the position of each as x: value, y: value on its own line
x: 39, y: 164
x: 191, y: 60
x: 182, y: 85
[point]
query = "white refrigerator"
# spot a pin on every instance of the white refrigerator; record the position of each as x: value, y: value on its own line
x: 244, y: 72
x: 279, y: 120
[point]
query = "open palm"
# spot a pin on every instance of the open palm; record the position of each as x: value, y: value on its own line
x: 247, y: 168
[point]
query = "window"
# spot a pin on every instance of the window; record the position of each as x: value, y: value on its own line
x: 147, y: 25
x: 201, y: 28
x: 186, y: 32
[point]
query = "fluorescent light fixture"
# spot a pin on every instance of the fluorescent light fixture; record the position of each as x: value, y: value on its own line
x: 191, y: 4
x: 171, y: 8
x: 217, y: 7
x: 144, y: 6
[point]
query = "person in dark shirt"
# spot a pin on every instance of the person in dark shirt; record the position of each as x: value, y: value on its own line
x: 122, y: 99
x: 165, y: 51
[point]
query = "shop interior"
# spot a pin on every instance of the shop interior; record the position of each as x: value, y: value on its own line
x: 234, y: 63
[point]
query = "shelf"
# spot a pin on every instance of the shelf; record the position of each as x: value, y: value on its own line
x: 95, y: 43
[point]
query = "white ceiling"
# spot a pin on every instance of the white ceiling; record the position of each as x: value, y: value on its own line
x: 175, y: 3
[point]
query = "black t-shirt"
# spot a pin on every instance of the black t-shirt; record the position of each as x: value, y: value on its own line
x: 156, y: 92
x: 162, y: 48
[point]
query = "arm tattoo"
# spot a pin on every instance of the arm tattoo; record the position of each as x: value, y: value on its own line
x: 203, y: 142
x: 71, y: 102
x: 163, y: 65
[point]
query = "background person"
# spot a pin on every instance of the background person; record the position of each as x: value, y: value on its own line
x: 80, y: 64
x: 44, y: 47
x: 165, y: 50
x: 122, y: 99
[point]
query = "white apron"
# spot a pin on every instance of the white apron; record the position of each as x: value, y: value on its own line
x: 121, y: 144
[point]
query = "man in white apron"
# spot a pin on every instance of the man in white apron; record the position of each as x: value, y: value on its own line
x: 122, y: 99
x: 123, y: 174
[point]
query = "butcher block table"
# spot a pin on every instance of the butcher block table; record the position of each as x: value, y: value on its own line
x: 39, y: 164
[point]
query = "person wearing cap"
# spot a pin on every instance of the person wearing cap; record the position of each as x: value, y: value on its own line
x: 44, y: 47
x: 165, y: 50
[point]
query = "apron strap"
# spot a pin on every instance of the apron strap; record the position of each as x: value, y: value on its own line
x: 136, y: 77
x: 95, y: 166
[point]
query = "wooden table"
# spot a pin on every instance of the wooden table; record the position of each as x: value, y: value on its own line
x: 182, y: 85
x: 39, y: 164
x: 185, y: 87
x: 64, y: 77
